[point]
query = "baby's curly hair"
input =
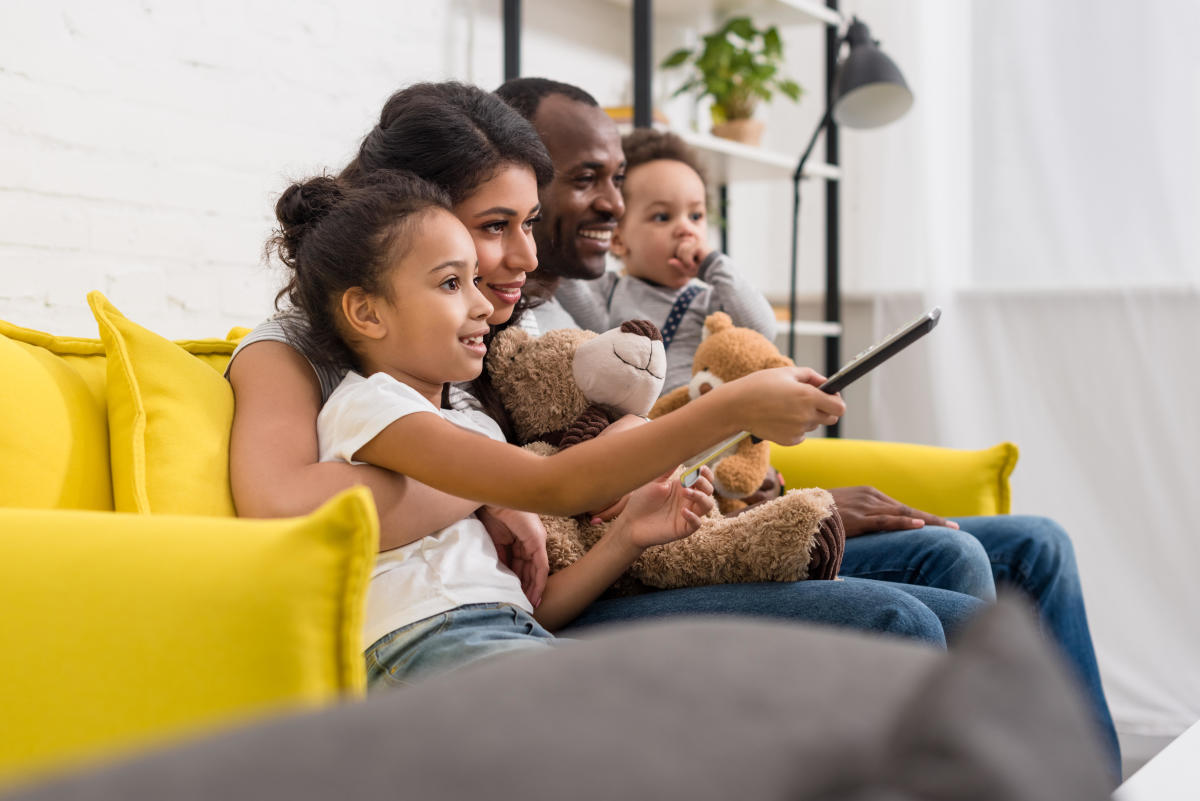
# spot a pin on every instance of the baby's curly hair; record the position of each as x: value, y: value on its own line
x: 647, y: 144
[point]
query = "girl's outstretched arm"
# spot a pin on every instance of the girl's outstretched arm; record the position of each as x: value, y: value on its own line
x: 659, y: 512
x: 273, y: 453
x: 780, y: 404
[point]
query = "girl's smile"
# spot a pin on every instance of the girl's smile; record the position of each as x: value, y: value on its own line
x: 474, y: 343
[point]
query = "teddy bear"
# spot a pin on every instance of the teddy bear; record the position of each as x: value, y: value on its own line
x: 728, y: 352
x: 566, y: 386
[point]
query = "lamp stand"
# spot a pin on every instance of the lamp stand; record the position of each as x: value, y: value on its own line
x: 796, y: 229
x: 832, y: 305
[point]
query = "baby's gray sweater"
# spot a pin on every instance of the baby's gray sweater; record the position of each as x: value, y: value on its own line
x: 610, y: 300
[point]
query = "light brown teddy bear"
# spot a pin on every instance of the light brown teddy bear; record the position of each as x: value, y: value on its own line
x: 568, y: 385
x: 728, y: 352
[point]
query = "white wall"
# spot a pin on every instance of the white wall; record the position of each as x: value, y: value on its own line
x: 1044, y: 189
x: 143, y: 143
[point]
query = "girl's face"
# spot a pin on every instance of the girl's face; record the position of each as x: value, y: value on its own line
x: 433, y: 322
x: 500, y: 215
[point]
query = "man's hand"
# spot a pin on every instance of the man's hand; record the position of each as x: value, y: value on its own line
x: 865, y: 510
x: 520, y: 540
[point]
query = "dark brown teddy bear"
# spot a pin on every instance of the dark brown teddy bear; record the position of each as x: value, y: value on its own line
x: 567, y: 385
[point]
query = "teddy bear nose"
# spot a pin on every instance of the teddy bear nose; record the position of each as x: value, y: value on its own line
x: 705, y: 387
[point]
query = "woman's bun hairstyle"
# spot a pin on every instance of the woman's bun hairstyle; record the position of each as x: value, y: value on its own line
x: 456, y: 135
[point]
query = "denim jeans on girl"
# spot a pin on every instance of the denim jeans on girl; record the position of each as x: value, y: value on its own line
x: 449, y: 640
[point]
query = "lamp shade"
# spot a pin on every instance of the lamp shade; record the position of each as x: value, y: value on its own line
x: 869, y: 90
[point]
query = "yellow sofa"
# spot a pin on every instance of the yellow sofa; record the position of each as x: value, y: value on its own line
x: 123, y: 629
x: 139, y: 610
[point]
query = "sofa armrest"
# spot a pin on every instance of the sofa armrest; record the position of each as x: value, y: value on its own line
x: 123, y: 630
x: 944, y: 481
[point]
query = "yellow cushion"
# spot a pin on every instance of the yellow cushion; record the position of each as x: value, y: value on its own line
x: 943, y: 481
x: 169, y: 414
x: 53, y: 424
x: 120, y: 630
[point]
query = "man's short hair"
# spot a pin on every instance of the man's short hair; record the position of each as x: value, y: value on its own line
x: 647, y: 144
x: 526, y: 94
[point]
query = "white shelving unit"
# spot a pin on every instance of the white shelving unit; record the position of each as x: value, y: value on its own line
x: 729, y: 162
x: 776, y: 12
x: 813, y: 328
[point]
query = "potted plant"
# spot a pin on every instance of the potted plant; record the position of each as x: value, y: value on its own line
x: 737, y: 66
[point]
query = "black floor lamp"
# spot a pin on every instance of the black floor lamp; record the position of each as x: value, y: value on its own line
x: 868, y: 91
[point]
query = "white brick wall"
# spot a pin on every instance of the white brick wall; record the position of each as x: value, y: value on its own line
x: 142, y: 144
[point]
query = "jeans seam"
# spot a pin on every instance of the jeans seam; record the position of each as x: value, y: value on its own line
x: 905, y: 576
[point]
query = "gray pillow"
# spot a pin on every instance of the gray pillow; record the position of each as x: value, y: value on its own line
x: 713, y: 709
x: 999, y: 720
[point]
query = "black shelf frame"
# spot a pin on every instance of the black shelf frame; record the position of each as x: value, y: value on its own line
x: 643, y: 71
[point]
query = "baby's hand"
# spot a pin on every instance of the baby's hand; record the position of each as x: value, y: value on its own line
x: 690, y: 254
x: 664, y: 510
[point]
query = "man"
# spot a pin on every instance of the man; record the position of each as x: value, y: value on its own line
x: 573, y: 240
x: 886, y: 540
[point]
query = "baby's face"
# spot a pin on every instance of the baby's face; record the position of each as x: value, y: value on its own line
x: 663, y: 236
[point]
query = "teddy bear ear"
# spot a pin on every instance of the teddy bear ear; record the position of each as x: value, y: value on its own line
x: 507, y: 342
x: 715, y: 323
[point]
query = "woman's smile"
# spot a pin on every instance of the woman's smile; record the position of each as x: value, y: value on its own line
x: 508, y: 293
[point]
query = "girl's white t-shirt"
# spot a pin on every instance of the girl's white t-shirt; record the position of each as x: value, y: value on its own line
x: 456, y: 566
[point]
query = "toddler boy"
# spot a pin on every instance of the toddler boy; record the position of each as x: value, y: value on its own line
x: 672, y: 277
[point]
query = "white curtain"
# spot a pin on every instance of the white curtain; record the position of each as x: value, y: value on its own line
x: 1045, y: 191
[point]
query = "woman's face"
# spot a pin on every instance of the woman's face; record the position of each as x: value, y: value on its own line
x: 500, y: 215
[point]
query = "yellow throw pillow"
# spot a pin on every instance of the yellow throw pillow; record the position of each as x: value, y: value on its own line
x: 53, y: 422
x: 943, y: 481
x: 169, y: 414
x: 121, y: 631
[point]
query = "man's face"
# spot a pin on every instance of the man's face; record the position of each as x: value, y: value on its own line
x: 581, y: 206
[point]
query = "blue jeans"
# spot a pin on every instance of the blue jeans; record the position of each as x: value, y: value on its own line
x: 922, y: 613
x: 453, y: 639
x: 1032, y: 554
